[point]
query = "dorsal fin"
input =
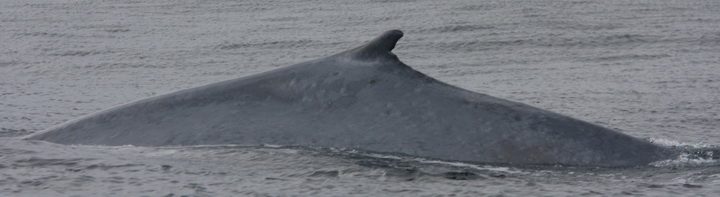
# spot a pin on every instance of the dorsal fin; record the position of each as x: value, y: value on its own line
x: 379, y: 47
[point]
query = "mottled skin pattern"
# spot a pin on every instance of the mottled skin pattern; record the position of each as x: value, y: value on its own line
x: 364, y: 98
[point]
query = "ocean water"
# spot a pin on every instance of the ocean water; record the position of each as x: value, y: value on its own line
x: 650, y: 69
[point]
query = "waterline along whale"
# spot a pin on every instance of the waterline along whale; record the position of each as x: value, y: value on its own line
x: 365, y: 99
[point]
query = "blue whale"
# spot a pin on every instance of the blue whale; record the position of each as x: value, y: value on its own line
x: 364, y: 99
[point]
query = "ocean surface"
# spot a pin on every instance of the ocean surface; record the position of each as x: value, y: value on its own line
x: 650, y: 69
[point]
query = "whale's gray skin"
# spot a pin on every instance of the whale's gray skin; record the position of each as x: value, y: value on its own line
x: 365, y: 99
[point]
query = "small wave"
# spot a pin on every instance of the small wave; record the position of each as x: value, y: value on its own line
x: 266, y: 44
x: 696, y: 159
x: 674, y: 143
x: 459, y: 28
x: 692, y: 154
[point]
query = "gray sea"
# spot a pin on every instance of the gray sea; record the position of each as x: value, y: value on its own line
x: 650, y: 69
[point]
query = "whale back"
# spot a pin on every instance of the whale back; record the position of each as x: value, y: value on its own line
x: 364, y: 98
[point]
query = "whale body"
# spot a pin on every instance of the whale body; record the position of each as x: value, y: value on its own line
x: 365, y: 99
